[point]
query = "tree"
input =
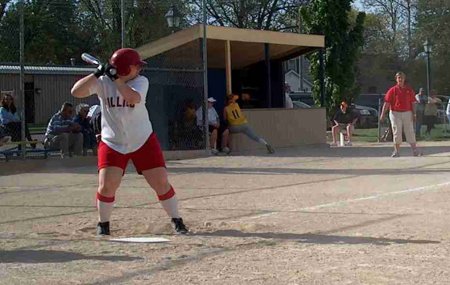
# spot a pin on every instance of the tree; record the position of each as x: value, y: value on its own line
x: 49, y: 26
x: 3, y: 5
x: 399, y: 19
x: 343, y: 41
x: 252, y: 14
x: 376, y: 35
x: 434, y: 24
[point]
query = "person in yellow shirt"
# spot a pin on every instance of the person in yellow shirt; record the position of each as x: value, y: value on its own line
x: 237, y: 122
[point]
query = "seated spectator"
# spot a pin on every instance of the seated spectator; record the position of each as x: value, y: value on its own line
x: 89, y: 141
x: 95, y: 119
x: 431, y: 112
x: 246, y: 101
x: 344, y: 118
x: 62, y: 133
x: 237, y: 122
x: 213, y: 126
x: 10, y: 121
x: 4, y: 139
x: 188, y: 134
x: 288, y: 104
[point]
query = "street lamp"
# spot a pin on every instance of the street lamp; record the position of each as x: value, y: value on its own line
x: 428, y: 48
x: 173, y: 17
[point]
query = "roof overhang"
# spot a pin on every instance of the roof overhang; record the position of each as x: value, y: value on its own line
x: 45, y: 69
x: 247, y: 46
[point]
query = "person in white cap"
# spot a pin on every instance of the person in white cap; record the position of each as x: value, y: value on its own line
x: 213, y: 125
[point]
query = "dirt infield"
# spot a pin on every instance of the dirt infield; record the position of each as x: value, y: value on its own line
x: 310, y: 215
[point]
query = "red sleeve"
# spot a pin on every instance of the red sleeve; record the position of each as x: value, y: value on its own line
x: 389, y: 95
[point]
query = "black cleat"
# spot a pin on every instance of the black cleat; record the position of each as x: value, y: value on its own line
x: 179, y: 226
x: 103, y: 229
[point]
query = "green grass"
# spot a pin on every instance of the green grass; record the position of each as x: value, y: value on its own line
x: 365, y: 135
x: 441, y: 132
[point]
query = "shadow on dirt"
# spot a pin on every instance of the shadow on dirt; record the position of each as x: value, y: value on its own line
x: 54, y: 256
x: 316, y: 238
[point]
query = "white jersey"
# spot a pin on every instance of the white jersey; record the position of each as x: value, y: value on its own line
x: 125, y: 127
x: 213, y: 117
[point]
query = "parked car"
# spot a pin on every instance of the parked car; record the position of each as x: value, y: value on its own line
x: 303, y: 97
x: 301, y: 105
x: 370, y: 100
x: 367, y: 116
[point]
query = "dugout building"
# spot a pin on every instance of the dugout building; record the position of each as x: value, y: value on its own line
x: 239, y: 61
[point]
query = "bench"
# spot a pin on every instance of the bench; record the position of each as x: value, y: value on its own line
x: 11, y: 149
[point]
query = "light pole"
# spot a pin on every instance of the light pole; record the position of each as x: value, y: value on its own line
x: 173, y: 17
x: 428, y: 49
x: 122, y: 24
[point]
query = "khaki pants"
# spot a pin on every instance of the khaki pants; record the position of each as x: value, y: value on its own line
x: 66, y: 142
x: 402, y: 121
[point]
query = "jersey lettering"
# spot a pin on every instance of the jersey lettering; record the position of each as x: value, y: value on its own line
x: 116, y: 102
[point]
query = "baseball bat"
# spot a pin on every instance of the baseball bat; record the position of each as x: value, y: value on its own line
x: 90, y: 59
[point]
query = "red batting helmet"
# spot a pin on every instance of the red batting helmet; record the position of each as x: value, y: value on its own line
x: 123, y: 58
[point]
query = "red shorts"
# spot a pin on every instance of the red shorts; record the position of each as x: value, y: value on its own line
x: 147, y: 157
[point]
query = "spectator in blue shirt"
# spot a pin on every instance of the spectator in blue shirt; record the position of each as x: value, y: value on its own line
x: 10, y: 121
x: 64, y: 134
x: 89, y: 141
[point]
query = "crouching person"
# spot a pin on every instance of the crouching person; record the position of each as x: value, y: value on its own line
x: 63, y: 134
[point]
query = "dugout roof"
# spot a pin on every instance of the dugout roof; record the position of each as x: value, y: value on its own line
x: 246, y: 46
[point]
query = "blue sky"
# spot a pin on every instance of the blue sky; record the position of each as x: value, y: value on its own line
x: 358, y: 4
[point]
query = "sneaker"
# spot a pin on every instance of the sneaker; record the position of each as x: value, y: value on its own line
x: 333, y: 144
x: 395, y: 154
x: 270, y: 148
x: 417, y: 153
x: 103, y: 229
x: 214, y: 151
x: 179, y: 226
x: 349, y: 143
x: 226, y: 150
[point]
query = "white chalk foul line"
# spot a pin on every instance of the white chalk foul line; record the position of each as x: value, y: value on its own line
x: 372, y: 197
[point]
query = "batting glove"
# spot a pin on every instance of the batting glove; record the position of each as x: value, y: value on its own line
x: 111, y: 72
x: 100, y: 71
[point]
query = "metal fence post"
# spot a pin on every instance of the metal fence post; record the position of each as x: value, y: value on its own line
x: 379, y: 113
x: 205, y: 77
x: 22, y: 77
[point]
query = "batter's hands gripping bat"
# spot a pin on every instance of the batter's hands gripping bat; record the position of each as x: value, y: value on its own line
x: 90, y: 59
x: 102, y: 69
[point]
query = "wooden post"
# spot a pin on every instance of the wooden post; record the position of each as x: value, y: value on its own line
x: 228, y: 67
x: 268, y: 75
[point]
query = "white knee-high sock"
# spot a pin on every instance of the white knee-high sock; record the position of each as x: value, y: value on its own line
x: 104, y: 206
x: 170, y: 203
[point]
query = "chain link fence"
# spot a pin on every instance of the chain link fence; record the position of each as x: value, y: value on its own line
x: 431, y: 122
x: 33, y: 89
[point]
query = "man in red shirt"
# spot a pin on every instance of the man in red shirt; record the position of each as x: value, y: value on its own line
x: 399, y: 100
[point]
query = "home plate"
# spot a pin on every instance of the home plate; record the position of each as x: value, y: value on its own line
x: 141, y: 239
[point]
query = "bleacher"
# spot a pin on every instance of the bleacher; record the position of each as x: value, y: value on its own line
x: 13, y: 149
